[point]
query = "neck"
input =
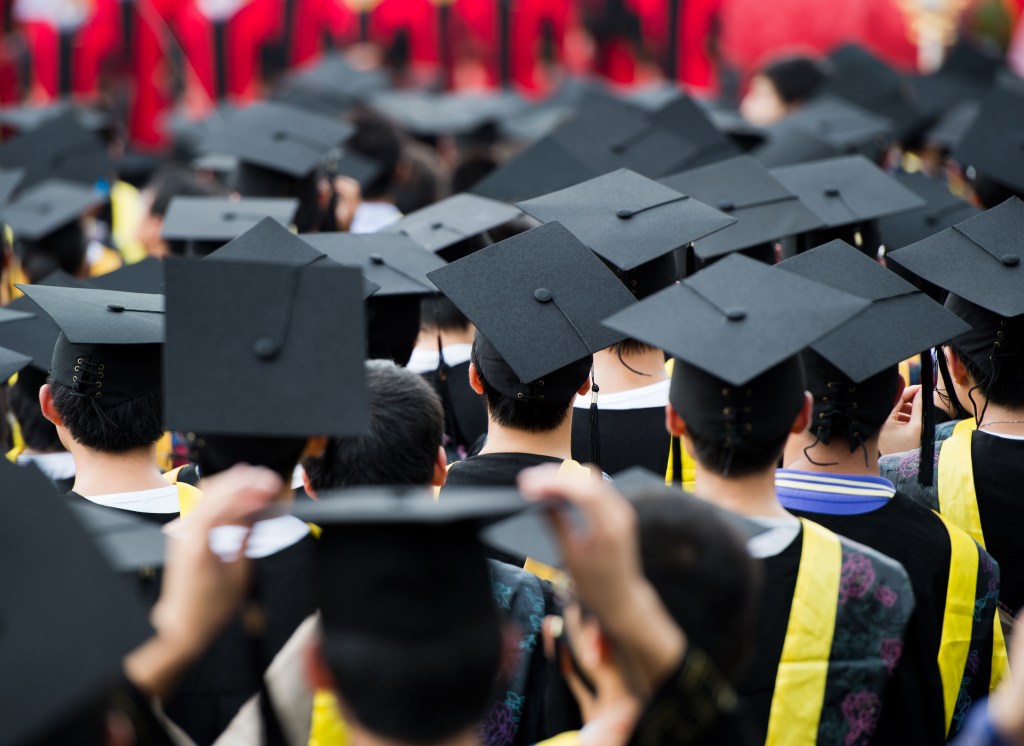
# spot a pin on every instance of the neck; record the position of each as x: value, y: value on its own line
x: 614, y: 711
x: 614, y: 375
x: 1000, y: 419
x: 830, y: 459
x: 362, y: 737
x: 750, y: 495
x: 98, y: 473
x: 556, y: 443
x: 427, y: 338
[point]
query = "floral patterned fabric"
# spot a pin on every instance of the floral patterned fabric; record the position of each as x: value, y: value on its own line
x: 875, y: 602
x: 902, y: 469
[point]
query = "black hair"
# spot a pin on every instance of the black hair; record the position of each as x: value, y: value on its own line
x: 64, y: 249
x: 217, y: 453
x: 379, y: 140
x: 406, y: 429
x: 853, y: 411
x: 796, y: 79
x: 471, y: 169
x: 418, y: 690
x: 531, y: 415
x: 740, y: 459
x: 421, y: 186
x: 630, y: 346
x: 1006, y: 389
x: 178, y: 182
x: 700, y: 568
x: 136, y: 423
x: 38, y: 432
x: 439, y: 313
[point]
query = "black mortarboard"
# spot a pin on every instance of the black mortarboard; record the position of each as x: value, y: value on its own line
x: 146, y: 276
x: 35, y: 335
x: 951, y: 126
x: 745, y: 323
x: 444, y: 227
x: 847, y: 191
x: 330, y: 86
x: 538, y: 299
x: 401, y: 542
x: 49, y: 206
x: 268, y: 241
x: 60, y: 149
x: 27, y: 117
x: 684, y: 117
x: 627, y: 219
x: 742, y: 188
x: 824, y: 127
x: 542, y: 167
x: 278, y: 138
x: 108, y: 350
x: 965, y: 76
x: 994, y: 144
x: 60, y: 667
x: 12, y: 314
x: 942, y: 210
x: 129, y: 543
x: 900, y: 322
x: 247, y: 342
x: 859, y: 76
x: 10, y: 180
x: 979, y: 259
x: 391, y: 260
x: 11, y: 362
x: 203, y: 224
x: 427, y: 114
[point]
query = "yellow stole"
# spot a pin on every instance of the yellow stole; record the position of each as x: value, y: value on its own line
x: 958, y: 503
x: 803, y: 669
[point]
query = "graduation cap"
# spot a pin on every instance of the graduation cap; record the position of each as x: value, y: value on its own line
x: 108, y: 350
x: 630, y: 221
x: 544, y: 166
x: 401, y: 542
x: 10, y: 180
x: 861, y: 77
x: 146, y: 276
x: 965, y: 76
x: 870, y: 342
x: 951, y: 126
x: 331, y: 86
x: 30, y: 116
x: 684, y: 117
x: 537, y: 299
x: 743, y: 189
x: 824, y: 127
x: 448, y: 226
x: 60, y: 148
x: 60, y: 667
x: 942, y: 210
x: 278, y: 138
x: 30, y: 331
x: 847, y: 192
x: 268, y: 241
x: 994, y: 144
x: 45, y: 208
x: 248, y: 341
x: 394, y: 262
x: 203, y: 224
x: 737, y: 376
x: 399, y: 267
x: 426, y: 114
x: 11, y: 362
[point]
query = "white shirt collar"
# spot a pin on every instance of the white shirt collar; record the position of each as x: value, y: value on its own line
x: 268, y: 537
x: 424, y: 359
x: 159, y: 500
x: 645, y: 397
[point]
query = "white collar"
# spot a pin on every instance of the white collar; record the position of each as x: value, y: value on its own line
x: 424, y: 359
x: 158, y: 500
x: 371, y: 217
x: 645, y: 397
x: 780, y: 534
x: 60, y: 465
x: 268, y: 537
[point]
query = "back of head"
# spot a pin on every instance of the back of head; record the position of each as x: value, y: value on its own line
x: 378, y: 140
x: 540, y: 412
x: 854, y: 412
x: 64, y: 249
x: 992, y: 352
x: 738, y: 430
x: 703, y: 573
x: 797, y: 79
x: 178, y: 182
x: 216, y: 453
x: 406, y: 430
x: 437, y: 313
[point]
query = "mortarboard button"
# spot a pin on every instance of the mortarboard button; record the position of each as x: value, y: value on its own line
x: 735, y: 314
x: 543, y: 295
x: 266, y: 348
x: 1009, y: 260
x: 726, y: 206
x: 115, y: 307
x: 831, y: 191
x: 376, y: 259
x: 624, y: 214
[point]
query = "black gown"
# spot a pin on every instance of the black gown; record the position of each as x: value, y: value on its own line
x: 493, y: 469
x: 629, y: 437
x: 465, y: 411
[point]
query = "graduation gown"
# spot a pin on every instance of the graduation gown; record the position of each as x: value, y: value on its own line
x: 976, y: 485
x: 955, y: 586
x: 493, y: 469
x: 831, y: 619
x: 465, y: 411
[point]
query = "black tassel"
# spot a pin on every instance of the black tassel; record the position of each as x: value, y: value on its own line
x: 925, y: 476
x: 595, y: 432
